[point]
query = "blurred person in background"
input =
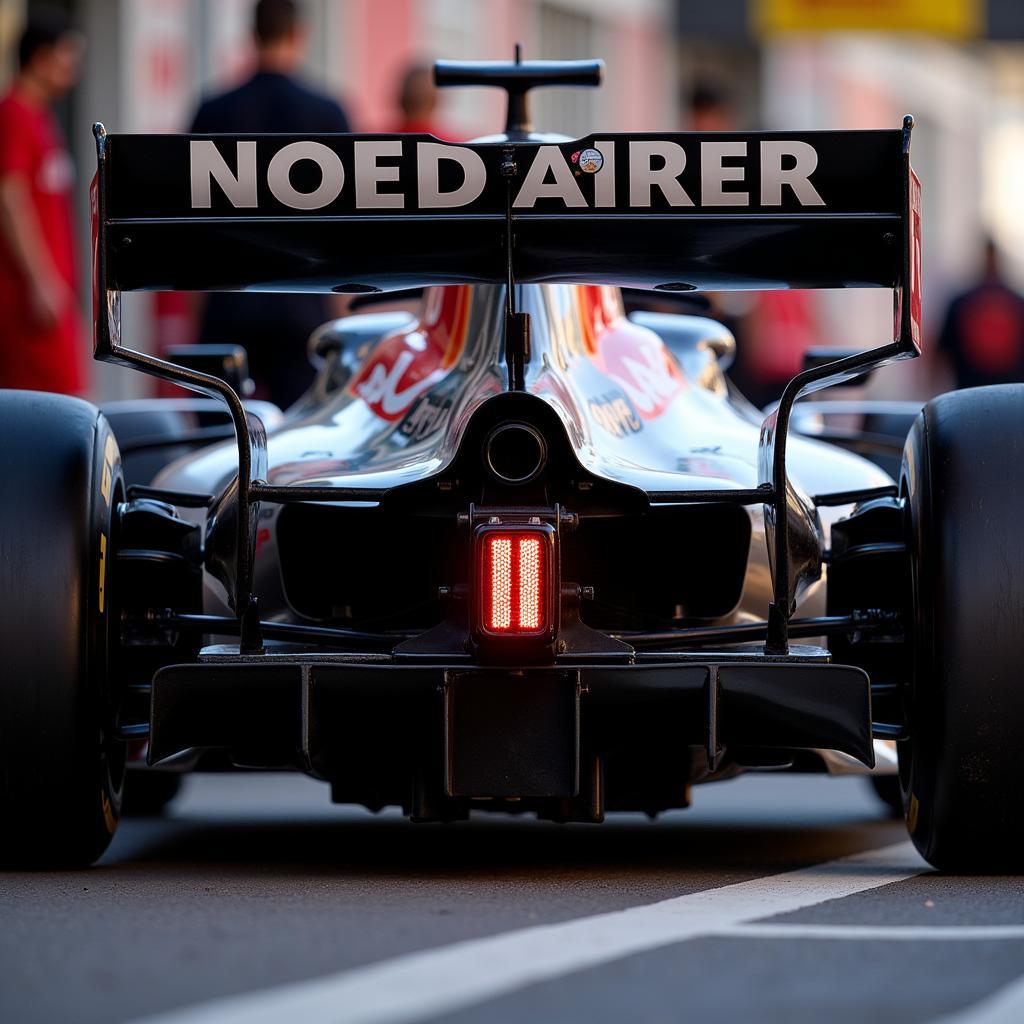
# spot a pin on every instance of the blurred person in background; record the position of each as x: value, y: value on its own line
x: 982, y: 336
x: 711, y: 108
x: 42, y: 345
x: 273, y: 328
x: 418, y: 101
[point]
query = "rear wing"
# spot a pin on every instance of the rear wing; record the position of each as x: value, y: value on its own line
x: 366, y: 213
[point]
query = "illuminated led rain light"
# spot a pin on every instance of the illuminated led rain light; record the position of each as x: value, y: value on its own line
x: 514, y: 583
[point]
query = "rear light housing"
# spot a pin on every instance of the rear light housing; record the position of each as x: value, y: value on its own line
x: 515, y: 585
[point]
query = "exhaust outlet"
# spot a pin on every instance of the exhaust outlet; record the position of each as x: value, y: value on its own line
x: 515, y: 453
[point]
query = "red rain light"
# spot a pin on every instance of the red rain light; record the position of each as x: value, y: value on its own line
x: 514, y: 579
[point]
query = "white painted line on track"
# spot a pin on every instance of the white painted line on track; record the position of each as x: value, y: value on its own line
x: 875, y: 932
x: 436, y: 981
x: 1005, y: 1007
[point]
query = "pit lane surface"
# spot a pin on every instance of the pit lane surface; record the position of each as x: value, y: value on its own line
x: 772, y: 899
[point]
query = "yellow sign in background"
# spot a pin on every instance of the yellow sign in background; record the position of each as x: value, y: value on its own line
x: 959, y: 18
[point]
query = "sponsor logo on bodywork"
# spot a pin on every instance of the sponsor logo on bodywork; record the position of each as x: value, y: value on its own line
x: 425, y: 417
x: 615, y: 414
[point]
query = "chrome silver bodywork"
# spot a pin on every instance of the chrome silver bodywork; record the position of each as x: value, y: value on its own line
x: 652, y: 410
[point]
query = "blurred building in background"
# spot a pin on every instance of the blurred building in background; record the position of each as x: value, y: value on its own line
x: 956, y: 64
x: 150, y: 60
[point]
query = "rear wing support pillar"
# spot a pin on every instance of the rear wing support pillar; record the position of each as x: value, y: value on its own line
x: 785, y: 501
x: 784, y: 497
x: 250, y: 435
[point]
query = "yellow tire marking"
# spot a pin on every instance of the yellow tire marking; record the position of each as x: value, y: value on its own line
x: 912, y: 812
x: 103, y: 570
x: 109, y: 457
x: 108, y: 814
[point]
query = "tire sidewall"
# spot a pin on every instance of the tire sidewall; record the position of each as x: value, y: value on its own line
x: 101, y: 628
x: 916, y: 753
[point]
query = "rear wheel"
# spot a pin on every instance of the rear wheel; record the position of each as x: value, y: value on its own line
x: 61, y: 767
x: 962, y: 769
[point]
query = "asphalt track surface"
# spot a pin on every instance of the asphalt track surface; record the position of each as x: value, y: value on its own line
x: 255, y: 900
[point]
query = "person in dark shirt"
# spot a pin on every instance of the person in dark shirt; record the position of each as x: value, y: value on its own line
x: 982, y: 336
x: 273, y: 328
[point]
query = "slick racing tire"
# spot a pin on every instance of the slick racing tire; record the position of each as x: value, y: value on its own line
x: 146, y: 794
x: 61, y: 768
x: 962, y: 767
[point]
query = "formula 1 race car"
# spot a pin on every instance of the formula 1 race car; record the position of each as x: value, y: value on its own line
x: 514, y: 550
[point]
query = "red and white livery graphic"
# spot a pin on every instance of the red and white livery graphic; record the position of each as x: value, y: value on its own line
x: 405, y: 365
x: 632, y: 356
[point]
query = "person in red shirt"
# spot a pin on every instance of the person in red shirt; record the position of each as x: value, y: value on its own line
x: 418, y: 102
x: 41, y: 341
x: 982, y: 336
